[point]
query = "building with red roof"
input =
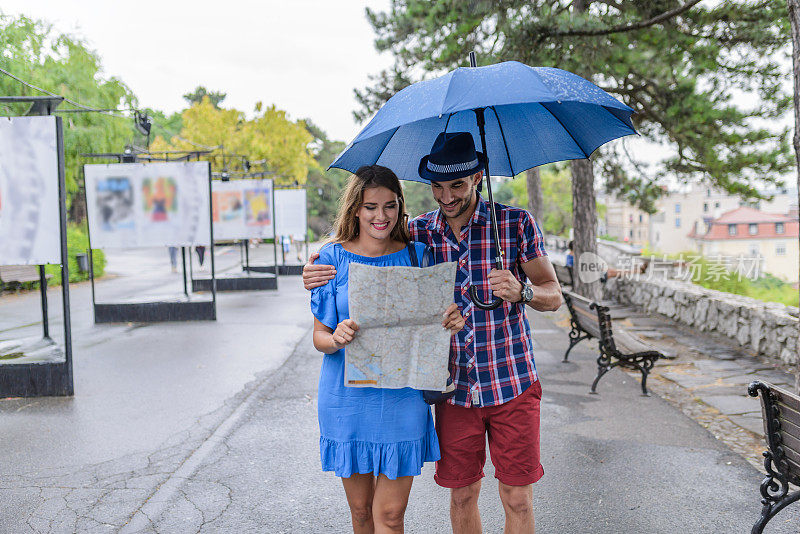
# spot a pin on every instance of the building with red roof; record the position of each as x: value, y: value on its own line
x: 768, y: 239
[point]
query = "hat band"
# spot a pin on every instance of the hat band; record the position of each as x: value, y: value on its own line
x: 455, y: 167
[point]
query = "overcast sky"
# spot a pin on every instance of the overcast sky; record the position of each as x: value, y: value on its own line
x: 304, y: 56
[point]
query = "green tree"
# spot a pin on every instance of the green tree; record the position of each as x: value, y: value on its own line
x: 64, y: 64
x: 270, y: 137
x: 418, y: 198
x: 282, y: 143
x: 163, y: 125
x: 679, y: 64
x: 556, y: 212
x: 200, y: 93
x: 323, y: 186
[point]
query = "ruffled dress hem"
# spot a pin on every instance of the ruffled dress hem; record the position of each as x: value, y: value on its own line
x: 397, y: 459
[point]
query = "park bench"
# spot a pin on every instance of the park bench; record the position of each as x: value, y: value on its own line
x: 563, y: 274
x: 19, y: 274
x: 780, y: 411
x: 617, y: 349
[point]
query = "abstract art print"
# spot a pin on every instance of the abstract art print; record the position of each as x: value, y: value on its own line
x: 160, y: 198
x: 226, y: 206
x: 257, y: 202
x: 115, y: 203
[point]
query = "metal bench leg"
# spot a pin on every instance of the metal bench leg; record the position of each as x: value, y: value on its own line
x: 604, y: 365
x: 644, y: 365
x: 644, y: 382
x: 775, y: 491
x: 575, y: 337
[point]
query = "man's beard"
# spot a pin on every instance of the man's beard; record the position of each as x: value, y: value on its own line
x: 465, y: 204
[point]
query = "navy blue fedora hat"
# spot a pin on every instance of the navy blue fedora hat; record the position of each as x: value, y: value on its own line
x: 452, y: 156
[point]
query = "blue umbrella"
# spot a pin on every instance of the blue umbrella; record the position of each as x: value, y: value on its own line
x: 523, y: 117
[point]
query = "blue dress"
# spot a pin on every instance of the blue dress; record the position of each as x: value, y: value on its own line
x: 366, y: 430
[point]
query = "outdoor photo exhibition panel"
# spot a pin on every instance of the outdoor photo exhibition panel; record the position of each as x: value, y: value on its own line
x: 29, y: 216
x: 290, y: 213
x: 137, y: 205
x: 33, y: 233
x: 242, y: 210
x: 291, y: 220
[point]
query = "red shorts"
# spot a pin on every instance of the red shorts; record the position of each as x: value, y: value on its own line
x: 513, y: 430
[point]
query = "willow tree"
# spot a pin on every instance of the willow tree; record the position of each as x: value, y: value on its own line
x: 64, y: 64
x: 678, y: 63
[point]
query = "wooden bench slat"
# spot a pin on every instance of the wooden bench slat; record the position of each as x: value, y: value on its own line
x: 788, y: 427
x: 790, y: 444
x: 794, y: 458
x: 19, y: 273
x: 788, y: 414
x: 630, y: 343
x: 563, y: 274
x: 588, y: 321
x: 784, y: 397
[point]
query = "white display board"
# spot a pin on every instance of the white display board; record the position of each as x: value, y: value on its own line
x: 242, y: 209
x: 29, y: 215
x: 133, y: 205
x: 290, y: 213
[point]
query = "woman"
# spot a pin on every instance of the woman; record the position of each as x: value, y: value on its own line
x: 375, y: 439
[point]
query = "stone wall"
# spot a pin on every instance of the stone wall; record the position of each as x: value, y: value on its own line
x: 768, y: 329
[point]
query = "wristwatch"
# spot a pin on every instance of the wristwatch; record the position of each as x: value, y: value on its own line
x: 527, y: 293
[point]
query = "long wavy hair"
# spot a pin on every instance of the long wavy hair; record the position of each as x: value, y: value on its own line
x: 345, y: 227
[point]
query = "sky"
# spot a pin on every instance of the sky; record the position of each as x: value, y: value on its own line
x: 304, y: 56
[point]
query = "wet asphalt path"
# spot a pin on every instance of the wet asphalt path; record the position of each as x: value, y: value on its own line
x: 615, y: 463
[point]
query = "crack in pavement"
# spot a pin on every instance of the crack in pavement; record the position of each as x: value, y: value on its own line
x: 158, y: 501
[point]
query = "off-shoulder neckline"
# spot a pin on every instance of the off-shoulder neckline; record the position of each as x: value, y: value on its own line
x: 370, y: 258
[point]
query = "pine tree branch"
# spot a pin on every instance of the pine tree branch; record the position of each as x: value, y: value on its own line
x: 629, y: 27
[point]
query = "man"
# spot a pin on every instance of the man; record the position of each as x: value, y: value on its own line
x: 491, y: 359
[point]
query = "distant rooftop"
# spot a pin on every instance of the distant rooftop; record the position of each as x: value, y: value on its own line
x: 746, y: 214
x: 719, y: 228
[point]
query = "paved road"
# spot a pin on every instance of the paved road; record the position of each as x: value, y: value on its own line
x: 615, y: 462
x: 211, y: 427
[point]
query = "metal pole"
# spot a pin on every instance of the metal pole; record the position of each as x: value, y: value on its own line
x: 247, y: 254
x: 211, y: 246
x: 183, y: 258
x: 62, y: 208
x: 43, y: 291
x: 274, y: 234
x: 191, y: 268
x: 88, y: 235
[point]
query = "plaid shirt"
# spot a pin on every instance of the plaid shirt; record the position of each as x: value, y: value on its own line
x: 491, y: 359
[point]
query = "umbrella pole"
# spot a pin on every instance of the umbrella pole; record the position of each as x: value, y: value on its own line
x: 498, y: 250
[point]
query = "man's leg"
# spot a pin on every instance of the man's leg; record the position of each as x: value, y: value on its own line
x: 360, y: 490
x: 518, y: 505
x: 462, y: 442
x: 464, y: 514
x: 389, y: 503
x: 514, y: 446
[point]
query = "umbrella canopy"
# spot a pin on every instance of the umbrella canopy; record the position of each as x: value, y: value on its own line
x: 534, y: 116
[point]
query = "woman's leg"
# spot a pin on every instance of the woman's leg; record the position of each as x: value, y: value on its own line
x: 389, y: 503
x: 360, y: 490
